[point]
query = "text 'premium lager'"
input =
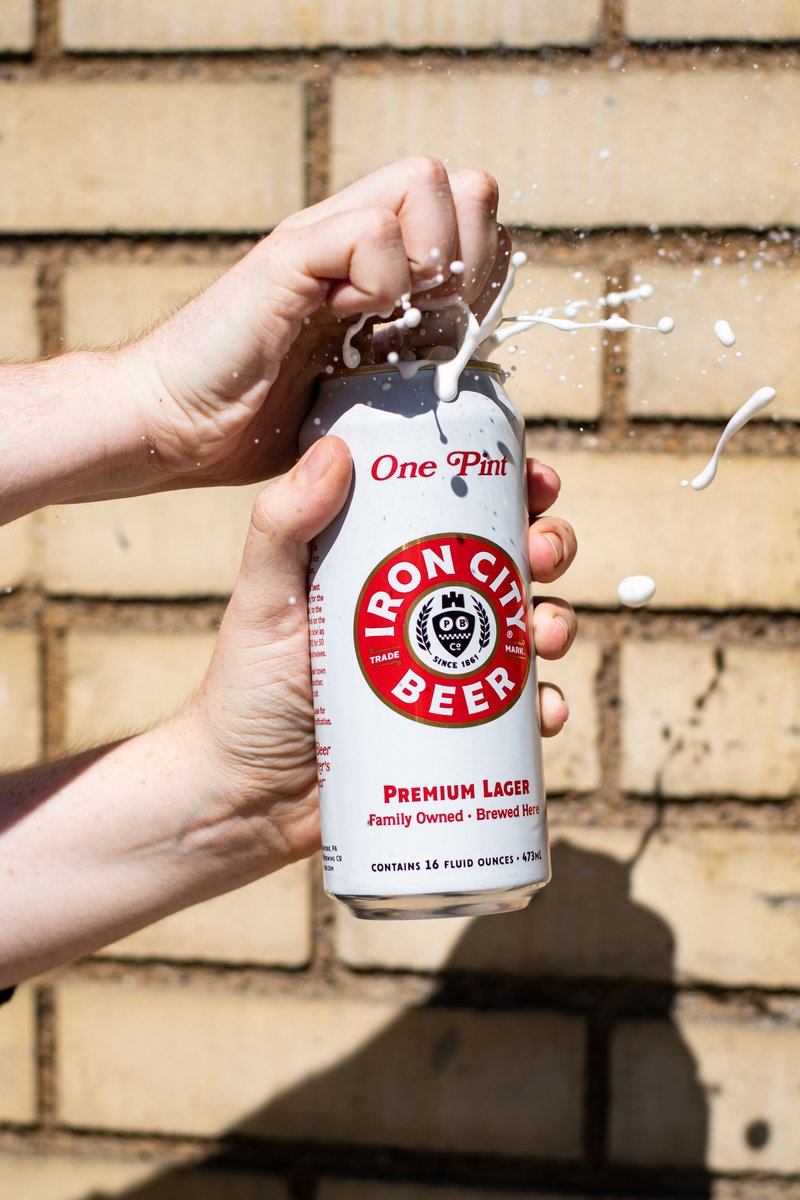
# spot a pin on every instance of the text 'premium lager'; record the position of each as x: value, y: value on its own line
x: 423, y: 678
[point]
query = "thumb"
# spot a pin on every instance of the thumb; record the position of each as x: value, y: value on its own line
x: 287, y: 514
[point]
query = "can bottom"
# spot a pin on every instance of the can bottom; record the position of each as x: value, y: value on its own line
x: 439, y: 904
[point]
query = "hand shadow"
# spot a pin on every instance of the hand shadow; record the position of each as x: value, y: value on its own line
x: 519, y: 1078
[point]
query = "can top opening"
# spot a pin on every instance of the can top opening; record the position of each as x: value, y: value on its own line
x: 474, y: 364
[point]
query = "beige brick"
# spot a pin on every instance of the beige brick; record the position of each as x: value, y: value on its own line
x: 17, y: 553
x: 721, y: 548
x: 17, y: 23
x: 149, y: 156
x: 19, y: 330
x: 407, y: 945
x: 683, y: 20
x: 175, y: 544
x: 623, y: 905
x: 552, y: 374
x: 690, y: 374
x: 169, y: 1060
x: 18, y: 1058
x: 71, y: 1177
x: 692, y: 1092
x: 268, y: 922
x: 571, y: 760
x: 730, y: 900
x: 185, y: 24
x: 119, y: 683
x: 20, y: 722
x: 589, y: 148
x: 105, y: 303
x: 700, y: 721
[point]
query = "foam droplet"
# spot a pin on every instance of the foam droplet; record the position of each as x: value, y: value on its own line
x: 636, y: 590
x: 724, y: 333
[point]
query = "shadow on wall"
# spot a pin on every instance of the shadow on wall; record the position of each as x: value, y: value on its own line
x: 493, y: 1069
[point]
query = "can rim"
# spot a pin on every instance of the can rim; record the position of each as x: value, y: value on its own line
x: 474, y: 364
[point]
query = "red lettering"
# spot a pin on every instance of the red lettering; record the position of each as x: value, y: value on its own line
x: 384, y: 472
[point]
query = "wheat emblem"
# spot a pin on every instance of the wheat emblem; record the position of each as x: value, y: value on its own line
x: 423, y: 641
x: 483, y: 624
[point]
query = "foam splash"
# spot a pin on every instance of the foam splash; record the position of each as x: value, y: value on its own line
x: 760, y: 399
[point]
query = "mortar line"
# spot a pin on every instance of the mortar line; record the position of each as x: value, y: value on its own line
x: 675, y: 245
x: 612, y: 26
x: 46, y: 1067
x: 47, y: 53
x: 260, y: 61
x: 317, y: 138
x: 615, y: 351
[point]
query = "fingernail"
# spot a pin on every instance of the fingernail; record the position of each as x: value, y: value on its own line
x: 315, y: 462
x: 558, y: 547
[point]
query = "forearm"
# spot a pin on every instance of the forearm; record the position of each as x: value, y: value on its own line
x: 102, y: 844
x: 69, y: 430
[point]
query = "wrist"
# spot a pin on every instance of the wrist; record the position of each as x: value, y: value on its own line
x: 234, y: 829
x: 69, y: 431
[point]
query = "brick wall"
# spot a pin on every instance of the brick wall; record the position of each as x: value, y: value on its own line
x: 636, y: 1032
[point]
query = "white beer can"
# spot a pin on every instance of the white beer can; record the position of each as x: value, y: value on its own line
x: 423, y: 677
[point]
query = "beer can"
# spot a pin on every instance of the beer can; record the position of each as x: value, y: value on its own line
x: 425, y: 699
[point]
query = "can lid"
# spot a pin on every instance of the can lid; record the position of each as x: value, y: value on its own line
x: 474, y: 364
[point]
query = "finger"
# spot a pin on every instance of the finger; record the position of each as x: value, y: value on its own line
x: 499, y: 269
x: 554, y: 627
x: 552, y: 547
x: 553, y: 709
x: 543, y: 486
x: 270, y: 589
x: 417, y: 190
x: 355, y: 260
x: 475, y: 198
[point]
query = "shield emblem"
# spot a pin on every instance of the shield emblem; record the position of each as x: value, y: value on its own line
x: 454, y: 626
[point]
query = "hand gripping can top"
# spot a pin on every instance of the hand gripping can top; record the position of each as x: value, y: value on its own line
x: 423, y: 678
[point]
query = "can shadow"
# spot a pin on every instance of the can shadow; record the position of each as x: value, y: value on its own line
x: 489, y: 1061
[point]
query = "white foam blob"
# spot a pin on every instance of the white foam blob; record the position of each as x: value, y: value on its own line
x: 636, y: 590
x: 724, y: 333
x: 757, y: 401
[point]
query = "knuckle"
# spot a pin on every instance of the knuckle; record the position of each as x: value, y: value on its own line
x: 482, y: 187
x: 261, y: 518
x: 378, y: 224
x: 425, y: 169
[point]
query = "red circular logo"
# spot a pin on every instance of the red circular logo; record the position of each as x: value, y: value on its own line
x: 441, y: 630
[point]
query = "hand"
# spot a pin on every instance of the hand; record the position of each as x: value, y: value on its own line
x: 253, y: 715
x: 222, y: 387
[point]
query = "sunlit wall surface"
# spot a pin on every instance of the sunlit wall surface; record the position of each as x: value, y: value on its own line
x: 636, y: 1032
